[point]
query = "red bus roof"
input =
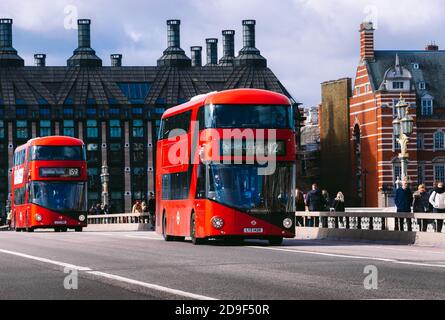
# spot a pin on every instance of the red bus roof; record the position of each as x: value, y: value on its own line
x: 54, y: 141
x: 236, y: 96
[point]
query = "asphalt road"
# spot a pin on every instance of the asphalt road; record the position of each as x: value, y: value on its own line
x: 139, y: 265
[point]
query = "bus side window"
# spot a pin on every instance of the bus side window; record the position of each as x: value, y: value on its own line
x: 201, y: 183
x: 201, y: 118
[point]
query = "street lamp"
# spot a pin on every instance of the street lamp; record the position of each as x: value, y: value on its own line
x: 105, y: 179
x: 403, y: 128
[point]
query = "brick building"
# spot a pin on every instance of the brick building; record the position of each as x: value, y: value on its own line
x: 382, y: 78
x: 115, y: 109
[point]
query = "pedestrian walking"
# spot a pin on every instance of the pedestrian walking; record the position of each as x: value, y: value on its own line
x: 9, y: 219
x: 314, y: 199
x: 339, y: 203
x: 326, y: 200
x: 437, y: 200
x: 152, y: 210
x: 300, y: 206
x: 421, y: 204
x: 137, y: 208
x: 404, y: 200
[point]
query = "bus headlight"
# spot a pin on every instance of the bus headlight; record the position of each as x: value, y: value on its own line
x: 82, y: 218
x: 287, y: 223
x: 39, y: 218
x: 218, y: 223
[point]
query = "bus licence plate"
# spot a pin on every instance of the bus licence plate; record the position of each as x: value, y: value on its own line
x: 253, y: 230
x: 60, y: 223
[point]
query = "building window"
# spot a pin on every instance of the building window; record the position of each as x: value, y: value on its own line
x: 138, y: 152
x: 420, y: 141
x: 45, y: 128
x: 45, y: 112
x: 21, y: 112
x: 116, y: 154
x: 137, y: 111
x: 114, y: 111
x: 22, y: 130
x: 92, y: 129
x: 135, y: 92
x: 2, y: 129
x: 138, y: 129
x: 422, y: 85
x: 398, y: 85
x: 416, y: 66
x: 115, y: 129
x: 68, y: 112
x: 397, y: 172
x: 427, y: 107
x: 396, y: 144
x: 357, y: 91
x: 421, y: 174
x: 439, y: 141
x: 91, y: 112
x: 367, y: 88
x: 439, y: 172
x: 68, y: 128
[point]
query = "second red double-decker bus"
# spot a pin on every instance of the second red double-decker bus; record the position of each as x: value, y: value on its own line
x: 212, y: 180
x: 49, y: 188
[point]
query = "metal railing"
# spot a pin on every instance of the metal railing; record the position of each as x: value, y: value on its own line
x: 125, y: 218
x: 379, y: 221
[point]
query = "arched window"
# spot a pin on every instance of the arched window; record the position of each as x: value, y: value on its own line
x: 439, y: 140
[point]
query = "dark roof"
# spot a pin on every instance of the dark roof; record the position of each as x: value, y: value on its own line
x: 431, y: 70
x: 169, y: 84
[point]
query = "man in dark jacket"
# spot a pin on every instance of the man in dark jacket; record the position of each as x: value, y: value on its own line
x: 315, y: 200
x: 421, y: 204
x: 404, y: 200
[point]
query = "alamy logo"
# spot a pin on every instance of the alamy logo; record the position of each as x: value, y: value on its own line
x: 71, y: 281
x: 371, y: 281
x: 71, y: 15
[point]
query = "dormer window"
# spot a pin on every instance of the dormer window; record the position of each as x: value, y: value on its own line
x: 398, y: 85
x: 422, y: 85
x: 416, y: 66
x: 427, y: 106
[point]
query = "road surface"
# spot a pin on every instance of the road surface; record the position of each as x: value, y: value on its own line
x: 140, y: 265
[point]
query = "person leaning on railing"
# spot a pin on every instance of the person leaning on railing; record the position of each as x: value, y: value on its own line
x: 437, y: 200
x: 404, y: 200
x: 421, y: 204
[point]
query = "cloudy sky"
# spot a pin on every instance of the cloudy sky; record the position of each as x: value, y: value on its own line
x: 305, y: 41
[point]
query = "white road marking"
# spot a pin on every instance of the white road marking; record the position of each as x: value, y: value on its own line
x: 156, y: 287
x: 419, y: 264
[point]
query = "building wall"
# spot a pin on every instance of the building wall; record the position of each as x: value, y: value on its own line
x: 335, y: 138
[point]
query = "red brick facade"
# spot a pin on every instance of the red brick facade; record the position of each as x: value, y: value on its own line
x: 381, y: 78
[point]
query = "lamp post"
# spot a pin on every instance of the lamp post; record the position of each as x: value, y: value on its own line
x: 105, y: 179
x: 403, y: 128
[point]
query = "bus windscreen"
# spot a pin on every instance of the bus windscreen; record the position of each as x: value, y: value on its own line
x: 57, y: 153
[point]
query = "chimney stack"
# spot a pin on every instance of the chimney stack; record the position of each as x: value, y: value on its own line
x: 116, y: 60
x: 212, y: 51
x: 8, y: 55
x: 84, y: 55
x: 366, y: 41
x: 84, y: 33
x: 173, y: 33
x: 196, y: 56
x: 249, y: 55
x: 432, y: 47
x: 40, y: 60
x: 228, y: 48
x: 174, y: 56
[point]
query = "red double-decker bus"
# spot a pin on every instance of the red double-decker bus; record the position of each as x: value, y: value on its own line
x: 49, y: 188
x: 226, y: 168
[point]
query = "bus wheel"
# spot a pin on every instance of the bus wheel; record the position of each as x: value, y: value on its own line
x: 57, y: 230
x: 276, y: 241
x: 164, y: 230
x: 64, y: 230
x: 196, y: 241
x: 30, y: 230
x: 78, y: 229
